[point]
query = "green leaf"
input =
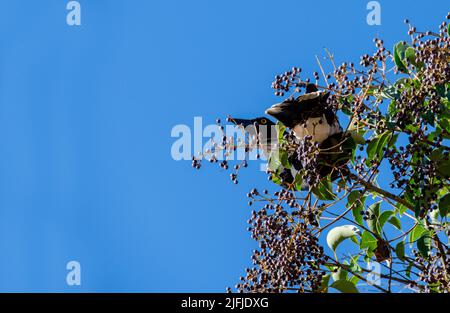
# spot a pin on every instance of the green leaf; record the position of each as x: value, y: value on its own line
x: 354, y: 239
x: 348, y: 147
x: 416, y: 233
x: 376, y: 145
x: 357, y: 137
x: 382, y: 142
x: 400, y: 208
x: 339, y: 234
x: 444, y: 205
x: 284, y: 159
x: 324, y: 284
x: 408, y: 270
x: 448, y: 29
x: 392, y: 108
x: 393, y: 140
x: 400, y: 250
x: 352, y: 197
x: 281, y: 129
x: 368, y: 241
x: 424, y: 244
x: 410, y: 55
x: 324, y: 190
x: 390, y: 92
x: 298, y: 181
x: 354, y: 280
x: 399, y: 56
x: 344, y: 286
x: 274, y: 162
x: 434, y: 216
x: 354, y: 266
x: 374, y: 224
x: 441, y: 90
x: 395, y: 221
x: 442, y: 162
x: 341, y: 274
x: 354, y: 200
x: 276, y: 179
x: 342, y: 183
x: 384, y: 217
x: 356, y: 210
x: 346, y: 111
x: 372, y: 148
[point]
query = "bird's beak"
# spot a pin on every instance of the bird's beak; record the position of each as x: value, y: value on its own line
x: 284, y: 112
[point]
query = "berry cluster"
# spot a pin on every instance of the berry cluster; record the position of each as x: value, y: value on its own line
x: 220, y: 152
x: 285, y: 82
x: 434, y: 276
x: 290, y: 256
x: 415, y: 108
x: 308, y: 154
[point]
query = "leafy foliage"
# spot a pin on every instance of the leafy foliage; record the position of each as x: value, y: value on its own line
x: 398, y: 110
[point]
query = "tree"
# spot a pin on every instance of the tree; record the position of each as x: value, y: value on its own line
x: 398, y: 110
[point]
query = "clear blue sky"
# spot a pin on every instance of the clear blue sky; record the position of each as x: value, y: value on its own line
x: 86, y: 112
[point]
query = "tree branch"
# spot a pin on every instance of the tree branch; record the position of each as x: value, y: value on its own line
x: 387, y: 194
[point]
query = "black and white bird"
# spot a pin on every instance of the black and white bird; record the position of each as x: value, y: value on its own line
x: 308, y: 114
x: 262, y: 129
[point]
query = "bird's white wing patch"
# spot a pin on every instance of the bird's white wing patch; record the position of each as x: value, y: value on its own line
x: 309, y: 96
x: 318, y: 128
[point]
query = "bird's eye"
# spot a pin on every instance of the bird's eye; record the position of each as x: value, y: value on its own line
x: 263, y: 121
